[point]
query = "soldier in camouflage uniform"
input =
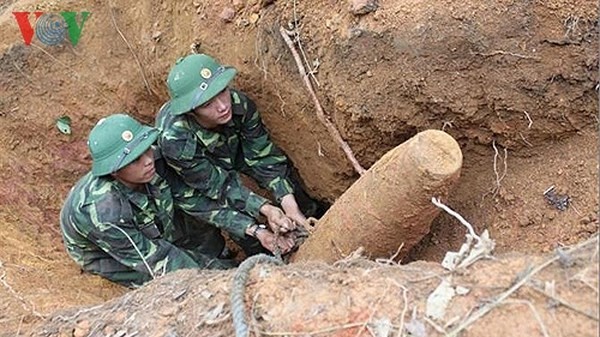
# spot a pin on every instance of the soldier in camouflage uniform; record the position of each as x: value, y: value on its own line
x: 210, y: 133
x: 119, y: 220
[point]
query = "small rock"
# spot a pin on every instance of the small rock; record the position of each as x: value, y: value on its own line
x: 265, y: 3
x: 227, y: 14
x: 120, y: 317
x: 168, y: 311
x: 362, y: 7
x: 206, y: 294
x: 82, y: 329
x: 369, y: 73
x: 180, y: 294
x: 355, y: 32
x: 109, y: 331
x: 238, y: 4
x: 120, y: 333
x: 525, y: 222
x: 156, y: 35
x: 460, y: 290
x: 63, y: 333
x: 585, y: 220
x: 253, y: 18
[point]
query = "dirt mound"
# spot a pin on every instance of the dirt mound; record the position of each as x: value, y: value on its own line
x: 513, y: 82
x: 511, y: 296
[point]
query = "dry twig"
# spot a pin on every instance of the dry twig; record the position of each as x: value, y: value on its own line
x: 499, y: 177
x: 435, y: 326
x: 137, y: 60
x: 525, y: 140
x: 459, y: 217
x: 529, y: 119
x: 564, y: 303
x: 320, y: 113
x: 582, y: 277
x: 536, y: 314
x: 373, y: 309
x: 316, y: 332
x: 311, y: 72
x: 404, y: 309
x: 258, y: 53
x: 392, y: 259
x: 502, y: 52
x: 516, y: 286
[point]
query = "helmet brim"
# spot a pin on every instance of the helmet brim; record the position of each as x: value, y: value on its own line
x: 189, y: 101
x: 144, y: 139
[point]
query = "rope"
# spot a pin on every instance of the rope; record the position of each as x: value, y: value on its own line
x: 238, y: 289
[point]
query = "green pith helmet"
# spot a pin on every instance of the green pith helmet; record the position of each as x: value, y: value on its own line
x: 116, y: 141
x: 194, y: 80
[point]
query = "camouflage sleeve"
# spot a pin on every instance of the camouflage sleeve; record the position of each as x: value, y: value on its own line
x: 127, y: 245
x: 222, y: 189
x: 267, y: 163
x: 118, y: 236
x: 221, y: 214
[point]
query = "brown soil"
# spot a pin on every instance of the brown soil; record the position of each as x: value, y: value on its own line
x: 355, y: 297
x: 517, y: 75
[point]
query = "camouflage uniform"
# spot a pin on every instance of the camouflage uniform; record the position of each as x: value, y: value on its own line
x: 124, y: 235
x: 209, y: 160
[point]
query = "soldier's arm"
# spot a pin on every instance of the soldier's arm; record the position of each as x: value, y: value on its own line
x: 269, y: 166
x: 223, y: 216
x: 213, y: 182
x: 129, y: 247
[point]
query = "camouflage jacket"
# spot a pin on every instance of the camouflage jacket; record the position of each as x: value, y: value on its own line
x: 209, y: 161
x: 124, y: 235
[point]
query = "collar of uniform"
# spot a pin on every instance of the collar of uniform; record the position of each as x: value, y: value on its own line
x: 209, y: 138
x: 140, y: 199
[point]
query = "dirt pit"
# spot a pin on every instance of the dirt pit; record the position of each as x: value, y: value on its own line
x: 513, y: 82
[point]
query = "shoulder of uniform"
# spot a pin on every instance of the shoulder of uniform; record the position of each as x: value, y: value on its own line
x: 163, y: 116
x: 105, y: 203
x: 168, y: 123
x: 242, y: 104
x: 178, y: 146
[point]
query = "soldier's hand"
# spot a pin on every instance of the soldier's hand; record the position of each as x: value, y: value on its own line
x: 291, y: 209
x: 277, y: 220
x: 274, y: 242
x: 298, y: 218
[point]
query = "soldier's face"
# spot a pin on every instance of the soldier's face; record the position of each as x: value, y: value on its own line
x: 215, y: 112
x: 138, y: 172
